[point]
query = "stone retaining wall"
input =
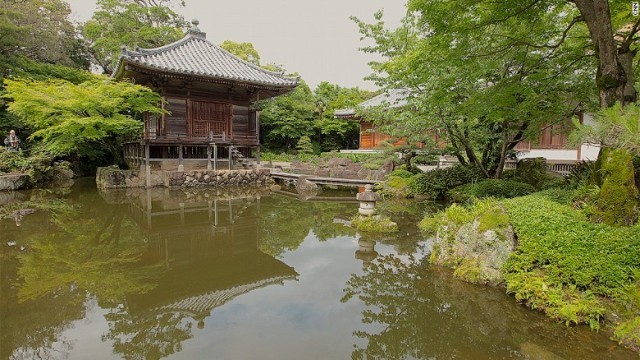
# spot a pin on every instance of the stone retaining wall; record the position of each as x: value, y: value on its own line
x: 114, y: 178
x: 340, y: 168
x: 13, y: 182
x: 210, y: 178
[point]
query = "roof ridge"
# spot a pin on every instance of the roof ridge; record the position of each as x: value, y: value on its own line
x: 257, y: 67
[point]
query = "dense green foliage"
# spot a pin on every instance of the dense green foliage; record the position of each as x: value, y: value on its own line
x: 618, y: 201
x: 40, y: 30
x: 302, y: 112
x: 563, y: 260
x: 501, y: 81
x: 490, y: 188
x: 38, y: 165
x: 117, y: 23
x: 304, y: 145
x: 243, y: 50
x: 88, y: 120
x: 436, y: 184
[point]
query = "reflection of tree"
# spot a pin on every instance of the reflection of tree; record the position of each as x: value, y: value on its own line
x: 29, y: 329
x: 147, y: 336
x: 425, y: 313
x: 94, y: 250
x: 285, y: 222
x: 69, y: 248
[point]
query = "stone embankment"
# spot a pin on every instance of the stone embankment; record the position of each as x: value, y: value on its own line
x: 114, y: 178
x: 340, y: 168
x: 14, y: 182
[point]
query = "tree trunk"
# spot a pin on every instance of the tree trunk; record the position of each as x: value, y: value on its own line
x: 614, y: 78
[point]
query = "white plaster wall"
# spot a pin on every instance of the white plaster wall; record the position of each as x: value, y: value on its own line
x: 550, y: 154
x: 589, y: 152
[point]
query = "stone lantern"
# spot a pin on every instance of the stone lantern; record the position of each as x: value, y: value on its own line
x: 367, y: 200
x: 366, y: 250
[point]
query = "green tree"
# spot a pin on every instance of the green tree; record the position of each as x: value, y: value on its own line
x: 287, y: 118
x: 471, y: 82
x: 335, y: 134
x: 244, y: 51
x: 87, y: 120
x: 40, y: 30
x: 118, y: 23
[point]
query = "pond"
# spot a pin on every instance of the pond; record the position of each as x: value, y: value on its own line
x: 244, y: 274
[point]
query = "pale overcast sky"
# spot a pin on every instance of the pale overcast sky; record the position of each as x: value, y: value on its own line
x: 316, y: 38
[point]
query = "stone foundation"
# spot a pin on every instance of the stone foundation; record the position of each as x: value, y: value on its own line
x: 114, y: 178
x: 14, y: 182
x: 339, y: 168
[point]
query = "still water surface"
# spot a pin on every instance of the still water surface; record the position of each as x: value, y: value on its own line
x: 242, y: 275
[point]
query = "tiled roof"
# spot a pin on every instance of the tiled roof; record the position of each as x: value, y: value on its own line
x: 195, y: 56
x: 390, y: 99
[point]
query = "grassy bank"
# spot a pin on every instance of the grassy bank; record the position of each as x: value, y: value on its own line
x: 566, y: 266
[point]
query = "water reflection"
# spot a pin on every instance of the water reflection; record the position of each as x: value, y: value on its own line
x: 242, y: 274
x: 422, y: 312
x: 208, y: 243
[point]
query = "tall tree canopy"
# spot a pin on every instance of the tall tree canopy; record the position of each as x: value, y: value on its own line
x: 86, y: 120
x: 336, y: 134
x: 243, y: 50
x: 40, y: 30
x: 117, y: 23
x: 476, y: 77
x: 287, y: 118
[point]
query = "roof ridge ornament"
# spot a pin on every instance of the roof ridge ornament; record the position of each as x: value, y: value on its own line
x: 195, y: 31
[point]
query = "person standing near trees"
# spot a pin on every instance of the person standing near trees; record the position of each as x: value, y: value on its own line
x: 12, y: 142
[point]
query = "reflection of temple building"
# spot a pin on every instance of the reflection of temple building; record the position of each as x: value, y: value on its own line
x: 208, y: 243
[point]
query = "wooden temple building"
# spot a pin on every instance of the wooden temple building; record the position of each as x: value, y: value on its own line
x: 370, y: 136
x: 210, y: 97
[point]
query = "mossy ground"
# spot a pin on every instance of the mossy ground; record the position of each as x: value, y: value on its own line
x: 375, y: 224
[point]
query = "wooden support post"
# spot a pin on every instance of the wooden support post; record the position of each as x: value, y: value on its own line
x: 180, y: 164
x: 230, y: 150
x: 215, y: 157
x: 149, y: 207
x: 147, y: 165
x: 258, y: 155
x: 215, y: 212
x: 208, y: 157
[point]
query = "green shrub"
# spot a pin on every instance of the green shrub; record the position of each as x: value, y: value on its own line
x: 395, y: 186
x: 563, y: 260
x: 582, y: 174
x: 304, y: 145
x: 38, y: 166
x: 532, y: 172
x: 436, y: 184
x: 617, y: 202
x: 401, y: 173
x: 636, y: 167
x: 490, y: 188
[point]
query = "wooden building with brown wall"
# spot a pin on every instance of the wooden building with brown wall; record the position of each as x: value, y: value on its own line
x: 209, y: 95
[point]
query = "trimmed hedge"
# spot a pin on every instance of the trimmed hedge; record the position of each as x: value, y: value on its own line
x: 436, y: 184
x: 490, y: 188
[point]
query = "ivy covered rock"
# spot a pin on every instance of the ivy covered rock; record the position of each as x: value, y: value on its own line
x: 617, y: 203
x: 474, y: 241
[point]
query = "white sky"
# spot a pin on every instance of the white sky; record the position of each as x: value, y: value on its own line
x: 316, y: 38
